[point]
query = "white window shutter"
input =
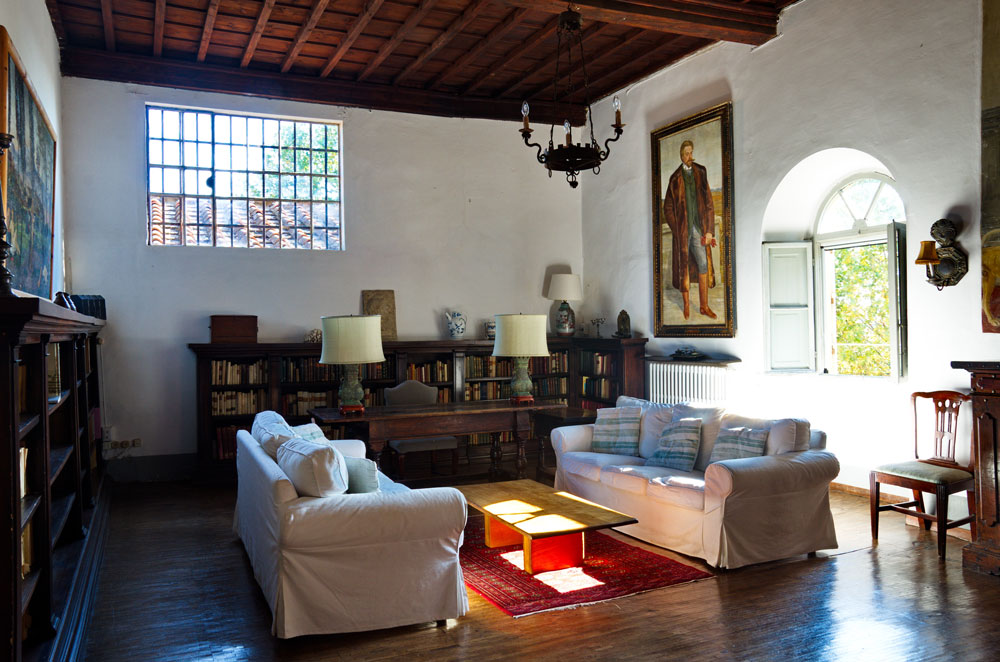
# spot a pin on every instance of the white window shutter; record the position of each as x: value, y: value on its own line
x: 790, y: 336
x: 895, y: 246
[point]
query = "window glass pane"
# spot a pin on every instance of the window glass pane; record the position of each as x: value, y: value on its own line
x: 222, y: 128
x: 190, y: 126
x: 255, y: 158
x: 332, y: 137
x: 861, y: 302
x: 171, y: 180
x: 255, y: 131
x: 888, y: 208
x: 204, y: 127
x: 156, y: 180
x: 301, y: 160
x: 222, y: 153
x: 156, y: 151
x: 287, y: 159
x: 271, y: 159
x: 271, y: 186
x: 332, y: 188
x: 318, y: 188
x: 287, y: 136
x: 255, y: 185
x: 302, y: 134
x: 171, y: 124
x: 239, y: 157
x: 191, y: 182
x: 204, y: 155
x: 239, y: 131
x: 859, y: 194
x: 155, y: 122
x: 223, y: 184
x: 239, y: 184
x: 191, y: 154
x: 835, y: 218
x: 332, y: 163
x: 318, y: 163
x: 171, y: 152
x: 302, y: 187
x: 287, y: 186
x: 318, y: 136
x: 271, y: 133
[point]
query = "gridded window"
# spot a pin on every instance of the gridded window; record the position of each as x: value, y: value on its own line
x: 219, y: 179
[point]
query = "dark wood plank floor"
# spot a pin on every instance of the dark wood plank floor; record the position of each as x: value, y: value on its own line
x: 177, y: 586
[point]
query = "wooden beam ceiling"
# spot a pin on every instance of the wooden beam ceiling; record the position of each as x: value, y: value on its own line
x: 457, y: 26
x: 516, y: 53
x: 352, y: 35
x: 694, y: 19
x: 159, y: 15
x: 317, y: 11
x: 509, y: 23
x: 258, y: 30
x: 108, y: 21
x: 87, y: 63
x: 411, y: 22
x: 206, y: 32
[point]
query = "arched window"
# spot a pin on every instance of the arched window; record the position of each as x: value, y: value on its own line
x: 836, y: 303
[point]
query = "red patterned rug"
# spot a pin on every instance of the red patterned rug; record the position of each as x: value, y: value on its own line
x: 611, y: 569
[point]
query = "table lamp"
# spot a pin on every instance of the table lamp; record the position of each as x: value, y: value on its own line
x: 565, y: 287
x: 520, y: 337
x: 349, y: 340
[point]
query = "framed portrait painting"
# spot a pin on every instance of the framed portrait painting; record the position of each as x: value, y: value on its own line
x: 693, y: 248
x: 27, y: 177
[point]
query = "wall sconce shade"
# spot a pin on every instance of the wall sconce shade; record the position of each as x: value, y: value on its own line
x: 352, y: 339
x: 928, y: 253
x: 520, y: 335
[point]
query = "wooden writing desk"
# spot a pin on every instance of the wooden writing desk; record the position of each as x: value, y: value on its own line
x: 442, y: 419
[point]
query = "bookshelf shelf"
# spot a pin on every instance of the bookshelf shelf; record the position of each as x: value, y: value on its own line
x: 49, y: 412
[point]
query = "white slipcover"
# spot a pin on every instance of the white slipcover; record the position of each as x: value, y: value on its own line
x: 350, y: 562
x: 736, y: 513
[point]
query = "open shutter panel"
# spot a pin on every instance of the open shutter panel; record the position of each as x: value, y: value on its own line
x: 895, y: 246
x: 788, y: 301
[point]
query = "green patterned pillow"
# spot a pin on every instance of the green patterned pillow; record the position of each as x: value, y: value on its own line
x: 616, y: 430
x: 679, y: 444
x: 310, y: 432
x: 736, y: 443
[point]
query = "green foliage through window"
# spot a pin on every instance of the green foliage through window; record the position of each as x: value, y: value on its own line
x: 861, y: 309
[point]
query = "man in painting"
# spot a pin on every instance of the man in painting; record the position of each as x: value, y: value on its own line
x: 689, y: 212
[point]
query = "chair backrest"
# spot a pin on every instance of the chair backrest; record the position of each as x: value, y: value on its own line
x: 946, y: 407
x: 411, y: 392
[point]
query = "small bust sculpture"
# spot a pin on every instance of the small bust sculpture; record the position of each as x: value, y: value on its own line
x: 624, y: 326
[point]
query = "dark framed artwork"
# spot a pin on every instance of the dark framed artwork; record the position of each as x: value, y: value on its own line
x: 27, y: 176
x: 693, y: 248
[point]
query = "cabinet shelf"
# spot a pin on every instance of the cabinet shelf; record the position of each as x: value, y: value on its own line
x: 55, y: 402
x: 58, y: 457
x: 27, y: 426
x: 238, y: 387
x: 29, y: 504
x: 28, y: 585
x: 61, y: 509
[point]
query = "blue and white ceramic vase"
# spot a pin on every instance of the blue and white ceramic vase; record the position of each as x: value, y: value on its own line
x: 490, y: 326
x: 456, y: 324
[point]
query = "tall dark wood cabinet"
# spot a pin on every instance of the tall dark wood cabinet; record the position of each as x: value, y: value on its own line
x: 983, y: 553
x: 50, y: 416
x: 235, y: 381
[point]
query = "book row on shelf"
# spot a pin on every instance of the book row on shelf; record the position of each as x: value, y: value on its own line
x: 429, y: 372
x: 300, y: 402
x: 491, y: 366
x: 233, y: 403
x: 487, y: 391
x: 547, y: 386
x: 301, y: 369
x: 542, y: 365
x: 26, y: 534
x: 486, y: 438
x: 230, y: 373
x: 599, y: 387
x: 598, y: 363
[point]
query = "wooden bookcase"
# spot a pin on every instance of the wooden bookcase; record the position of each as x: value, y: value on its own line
x: 237, y: 380
x: 50, y: 389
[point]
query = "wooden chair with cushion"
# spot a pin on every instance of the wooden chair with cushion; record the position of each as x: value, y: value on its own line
x: 412, y: 392
x: 940, y: 474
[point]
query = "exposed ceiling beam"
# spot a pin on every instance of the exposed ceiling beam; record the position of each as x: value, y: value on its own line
x: 515, y: 53
x: 544, y: 66
x: 304, y: 32
x: 352, y: 35
x: 57, y: 24
x: 206, y: 32
x: 108, y: 19
x: 258, y: 30
x: 677, y: 17
x: 159, y: 15
x: 456, y: 26
x: 411, y: 22
x: 496, y: 34
x: 87, y: 63
x: 578, y: 63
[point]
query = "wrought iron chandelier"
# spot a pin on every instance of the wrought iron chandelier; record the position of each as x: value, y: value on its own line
x: 569, y: 157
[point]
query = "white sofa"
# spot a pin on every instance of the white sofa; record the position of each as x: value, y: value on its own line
x: 730, y: 513
x: 350, y: 562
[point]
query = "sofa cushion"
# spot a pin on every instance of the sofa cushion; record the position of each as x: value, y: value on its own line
x: 631, y: 478
x: 782, y: 434
x: 678, y: 445
x: 711, y: 420
x: 616, y: 431
x: 686, y: 491
x: 316, y: 470
x: 588, y: 464
x: 310, y: 432
x: 362, y: 475
x: 271, y: 431
x: 655, y: 416
x: 736, y: 443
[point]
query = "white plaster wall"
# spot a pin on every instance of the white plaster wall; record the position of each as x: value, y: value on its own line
x: 898, y: 79
x: 446, y: 212
x: 30, y: 29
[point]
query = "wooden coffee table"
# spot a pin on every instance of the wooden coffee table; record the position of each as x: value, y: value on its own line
x: 549, y: 524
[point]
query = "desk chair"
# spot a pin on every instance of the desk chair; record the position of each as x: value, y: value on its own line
x: 940, y: 474
x: 412, y: 392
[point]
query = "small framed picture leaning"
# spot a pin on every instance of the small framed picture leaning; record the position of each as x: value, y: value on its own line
x: 693, y: 247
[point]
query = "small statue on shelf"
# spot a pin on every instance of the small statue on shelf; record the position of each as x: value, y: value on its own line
x: 597, y: 322
x: 624, y: 326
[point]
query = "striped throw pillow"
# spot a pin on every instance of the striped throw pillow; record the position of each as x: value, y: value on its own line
x: 616, y: 430
x: 679, y: 444
x: 736, y: 443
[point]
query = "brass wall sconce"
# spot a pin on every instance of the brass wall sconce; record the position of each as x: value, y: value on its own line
x: 945, y: 262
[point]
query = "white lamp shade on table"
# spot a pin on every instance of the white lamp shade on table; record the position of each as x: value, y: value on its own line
x: 520, y: 335
x: 565, y: 287
x: 351, y: 339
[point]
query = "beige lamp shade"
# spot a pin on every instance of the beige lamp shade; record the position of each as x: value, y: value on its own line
x: 352, y: 339
x: 565, y: 287
x: 520, y: 335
